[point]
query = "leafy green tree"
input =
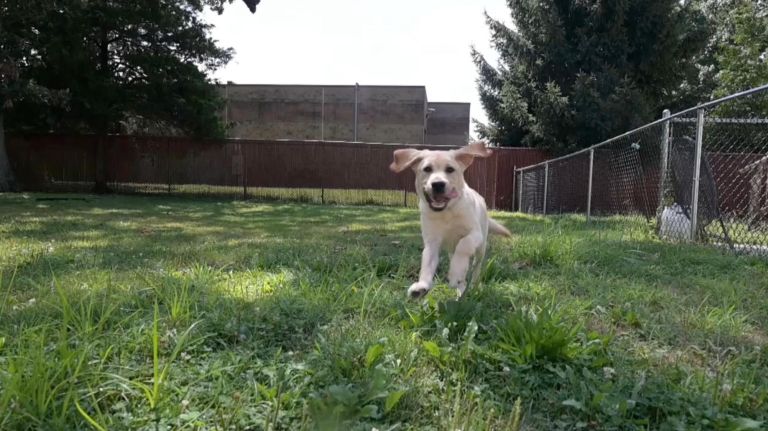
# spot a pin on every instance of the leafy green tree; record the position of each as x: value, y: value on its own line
x: 218, y: 5
x: 18, y: 36
x: 142, y: 64
x: 742, y: 56
x: 574, y: 73
x: 108, y: 66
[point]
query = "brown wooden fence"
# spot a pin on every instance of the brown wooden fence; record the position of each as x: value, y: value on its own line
x: 316, y: 171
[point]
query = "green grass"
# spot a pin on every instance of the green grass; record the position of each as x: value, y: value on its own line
x: 168, y: 313
x: 303, y: 195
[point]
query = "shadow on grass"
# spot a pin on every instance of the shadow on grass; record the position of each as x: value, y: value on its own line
x: 678, y: 295
x: 266, y: 276
x: 133, y: 233
x: 320, y: 291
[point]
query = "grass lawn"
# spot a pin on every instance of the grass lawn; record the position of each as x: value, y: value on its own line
x: 161, y: 313
x: 278, y: 194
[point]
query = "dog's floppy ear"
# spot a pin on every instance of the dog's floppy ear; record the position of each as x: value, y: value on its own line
x: 466, y: 155
x: 405, y: 158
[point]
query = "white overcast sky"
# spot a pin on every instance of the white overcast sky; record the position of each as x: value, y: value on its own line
x: 372, y: 42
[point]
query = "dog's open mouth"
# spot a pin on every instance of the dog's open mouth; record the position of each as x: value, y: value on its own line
x: 440, y: 202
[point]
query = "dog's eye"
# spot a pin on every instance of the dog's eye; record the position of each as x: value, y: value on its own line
x: 450, y: 169
x: 428, y: 169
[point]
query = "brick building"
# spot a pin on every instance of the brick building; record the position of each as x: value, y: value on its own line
x: 365, y: 113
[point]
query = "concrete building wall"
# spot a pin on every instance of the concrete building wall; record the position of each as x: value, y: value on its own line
x: 447, y: 123
x: 308, y: 112
x: 391, y: 114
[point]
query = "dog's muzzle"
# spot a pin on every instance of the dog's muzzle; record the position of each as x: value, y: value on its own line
x: 439, y: 201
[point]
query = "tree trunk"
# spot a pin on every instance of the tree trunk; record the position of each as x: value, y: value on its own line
x: 7, y: 180
x: 102, y: 129
x: 101, y: 170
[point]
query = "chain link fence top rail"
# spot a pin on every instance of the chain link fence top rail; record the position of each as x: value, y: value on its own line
x: 697, y: 175
x: 619, y: 177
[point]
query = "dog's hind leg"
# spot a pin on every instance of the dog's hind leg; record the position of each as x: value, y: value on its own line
x: 477, y: 265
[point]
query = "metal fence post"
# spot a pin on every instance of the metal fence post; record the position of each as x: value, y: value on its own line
x: 697, y: 173
x: 244, y: 169
x: 520, y: 191
x: 357, y: 91
x: 546, y: 184
x: 589, y: 191
x: 405, y: 197
x: 168, y: 162
x: 514, y: 186
x: 322, y: 114
x: 664, y: 159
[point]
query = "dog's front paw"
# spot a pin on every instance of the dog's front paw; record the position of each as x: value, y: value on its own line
x: 459, y: 285
x: 418, y: 289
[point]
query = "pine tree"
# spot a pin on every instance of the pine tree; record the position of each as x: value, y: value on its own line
x: 574, y: 73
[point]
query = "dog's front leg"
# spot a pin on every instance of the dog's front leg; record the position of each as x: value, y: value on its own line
x: 429, y: 259
x: 465, y: 249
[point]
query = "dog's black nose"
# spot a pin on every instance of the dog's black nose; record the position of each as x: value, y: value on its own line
x: 438, y: 187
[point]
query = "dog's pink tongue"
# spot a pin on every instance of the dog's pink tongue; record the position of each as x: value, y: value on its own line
x: 453, y: 194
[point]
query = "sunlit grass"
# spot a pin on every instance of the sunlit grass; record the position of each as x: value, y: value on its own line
x: 150, y: 313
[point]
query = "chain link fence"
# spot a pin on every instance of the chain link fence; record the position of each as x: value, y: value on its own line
x: 697, y: 175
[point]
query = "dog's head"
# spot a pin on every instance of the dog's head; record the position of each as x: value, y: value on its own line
x: 439, y: 174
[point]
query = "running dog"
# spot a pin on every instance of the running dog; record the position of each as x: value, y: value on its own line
x: 453, y: 215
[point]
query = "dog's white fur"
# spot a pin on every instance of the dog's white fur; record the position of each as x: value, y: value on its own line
x: 456, y: 219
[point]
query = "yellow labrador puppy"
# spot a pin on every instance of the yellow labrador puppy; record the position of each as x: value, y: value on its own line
x: 453, y: 216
